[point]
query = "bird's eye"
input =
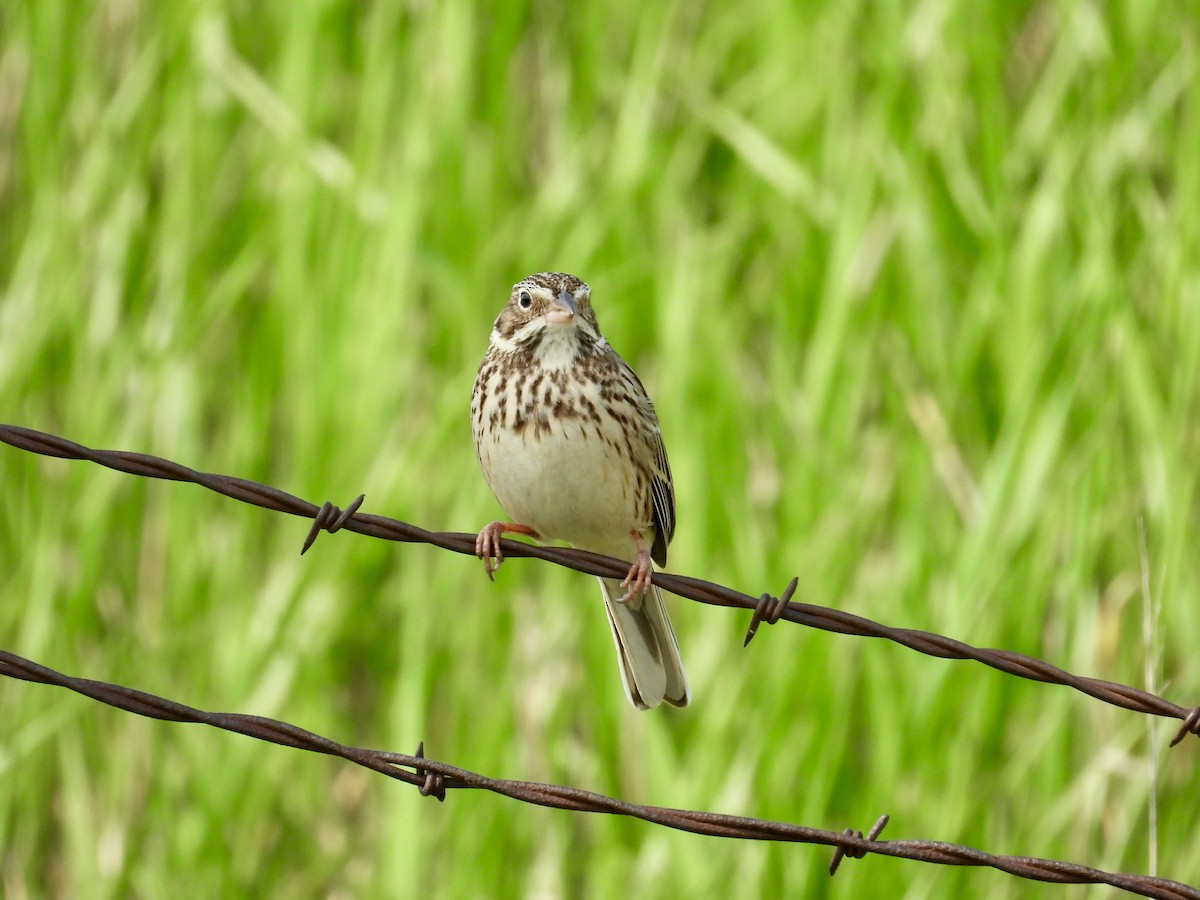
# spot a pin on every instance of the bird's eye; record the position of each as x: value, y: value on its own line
x: 524, y: 300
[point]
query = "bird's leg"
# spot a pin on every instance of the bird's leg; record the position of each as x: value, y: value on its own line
x: 638, y: 579
x: 487, y: 545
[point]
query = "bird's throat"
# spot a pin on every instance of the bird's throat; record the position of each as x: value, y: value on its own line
x: 556, y: 346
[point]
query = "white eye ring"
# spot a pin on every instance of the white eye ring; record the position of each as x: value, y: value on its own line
x: 524, y: 300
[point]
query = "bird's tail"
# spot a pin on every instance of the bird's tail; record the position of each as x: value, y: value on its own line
x: 651, y: 669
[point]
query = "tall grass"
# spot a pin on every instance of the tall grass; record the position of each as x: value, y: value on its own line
x: 915, y: 287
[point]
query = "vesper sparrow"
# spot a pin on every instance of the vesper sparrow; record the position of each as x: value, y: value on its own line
x: 569, y: 444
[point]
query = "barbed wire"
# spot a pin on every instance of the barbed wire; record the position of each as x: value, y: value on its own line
x: 434, y: 779
x: 764, y: 608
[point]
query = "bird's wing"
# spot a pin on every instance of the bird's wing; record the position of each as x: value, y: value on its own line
x: 662, y: 488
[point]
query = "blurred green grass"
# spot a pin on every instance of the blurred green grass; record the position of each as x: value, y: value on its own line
x: 915, y: 288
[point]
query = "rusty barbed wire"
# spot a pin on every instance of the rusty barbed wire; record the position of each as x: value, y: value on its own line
x: 764, y: 609
x: 434, y: 779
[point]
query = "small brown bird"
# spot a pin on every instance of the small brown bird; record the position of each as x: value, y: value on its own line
x: 569, y: 444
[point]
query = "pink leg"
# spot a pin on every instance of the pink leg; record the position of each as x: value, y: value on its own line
x: 487, y: 545
x: 638, y: 579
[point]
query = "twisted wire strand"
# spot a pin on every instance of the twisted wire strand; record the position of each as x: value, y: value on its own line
x: 765, y: 609
x: 434, y: 778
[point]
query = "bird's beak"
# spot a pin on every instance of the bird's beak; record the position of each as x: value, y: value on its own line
x: 563, y: 309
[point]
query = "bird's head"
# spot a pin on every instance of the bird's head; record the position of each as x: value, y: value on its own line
x: 548, y: 314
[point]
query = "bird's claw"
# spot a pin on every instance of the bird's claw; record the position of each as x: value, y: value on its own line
x: 638, y: 579
x: 487, y: 548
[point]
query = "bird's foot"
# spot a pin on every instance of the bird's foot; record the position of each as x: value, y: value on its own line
x: 638, y: 580
x: 487, y: 544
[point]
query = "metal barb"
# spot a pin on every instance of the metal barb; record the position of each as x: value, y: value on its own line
x: 433, y: 784
x: 1191, y: 725
x: 330, y: 518
x: 769, y: 609
x: 843, y: 850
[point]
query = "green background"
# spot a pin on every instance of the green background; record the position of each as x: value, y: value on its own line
x: 915, y: 287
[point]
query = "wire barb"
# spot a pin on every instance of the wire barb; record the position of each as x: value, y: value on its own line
x: 432, y: 784
x: 843, y: 850
x: 330, y: 518
x: 1190, y: 725
x: 769, y: 609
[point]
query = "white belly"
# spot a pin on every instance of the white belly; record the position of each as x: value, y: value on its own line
x: 567, y: 484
